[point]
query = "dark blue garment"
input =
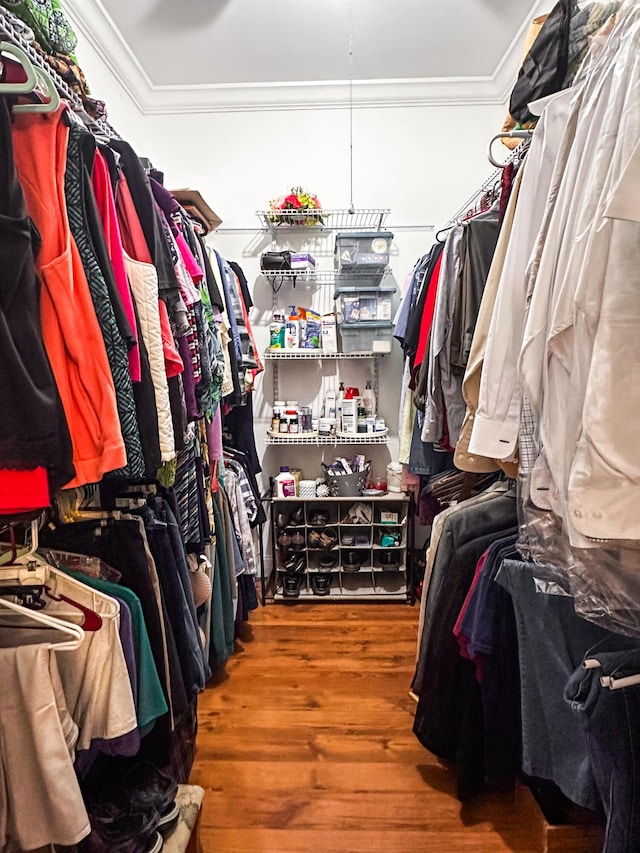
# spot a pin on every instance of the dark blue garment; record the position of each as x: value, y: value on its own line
x: 186, y: 634
x: 164, y: 512
x: 478, y: 622
x: 552, y: 640
x: 611, y: 719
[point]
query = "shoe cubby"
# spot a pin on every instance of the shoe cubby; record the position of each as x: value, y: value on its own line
x: 336, y: 550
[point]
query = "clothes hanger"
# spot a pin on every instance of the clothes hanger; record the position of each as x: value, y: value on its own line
x: 28, y: 85
x: 74, y: 631
x: 92, y: 621
x: 49, y: 106
x: 36, y: 81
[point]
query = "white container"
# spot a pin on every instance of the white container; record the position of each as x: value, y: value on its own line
x: 394, y: 477
x: 285, y: 483
x: 329, y: 334
x: 307, y: 489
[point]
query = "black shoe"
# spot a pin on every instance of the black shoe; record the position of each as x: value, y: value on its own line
x: 168, y: 819
x: 291, y: 584
x: 295, y: 564
x: 156, y: 842
x: 124, y: 831
x: 328, y: 561
x: 321, y: 583
x: 145, y: 786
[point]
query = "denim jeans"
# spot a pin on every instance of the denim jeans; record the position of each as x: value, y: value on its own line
x: 611, y: 720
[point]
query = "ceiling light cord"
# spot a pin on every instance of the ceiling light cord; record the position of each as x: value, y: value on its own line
x: 351, y: 204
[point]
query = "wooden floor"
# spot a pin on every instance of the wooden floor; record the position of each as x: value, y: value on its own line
x: 305, y: 744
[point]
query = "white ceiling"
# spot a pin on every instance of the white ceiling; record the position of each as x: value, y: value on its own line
x: 212, y: 54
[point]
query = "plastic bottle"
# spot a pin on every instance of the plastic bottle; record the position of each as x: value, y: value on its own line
x: 330, y: 404
x: 339, y: 399
x: 292, y: 335
x: 285, y: 483
x: 369, y: 399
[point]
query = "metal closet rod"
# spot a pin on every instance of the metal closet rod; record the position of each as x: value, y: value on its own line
x: 493, y: 179
x: 7, y: 29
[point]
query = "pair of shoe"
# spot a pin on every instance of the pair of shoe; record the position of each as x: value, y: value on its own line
x: 291, y: 519
x: 326, y: 538
x: 296, y: 564
x: 133, y: 817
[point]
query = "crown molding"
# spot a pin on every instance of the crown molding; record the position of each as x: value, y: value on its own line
x: 93, y: 23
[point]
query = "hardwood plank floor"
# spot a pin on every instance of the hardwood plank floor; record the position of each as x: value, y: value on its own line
x: 305, y: 744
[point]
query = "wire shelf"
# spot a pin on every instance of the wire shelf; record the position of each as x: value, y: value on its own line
x: 325, y: 276
x: 307, y: 354
x: 357, y: 438
x: 363, y: 219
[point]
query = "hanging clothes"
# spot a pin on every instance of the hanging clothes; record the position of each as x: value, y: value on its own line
x: 33, y: 433
x: 69, y: 325
x: 84, y: 224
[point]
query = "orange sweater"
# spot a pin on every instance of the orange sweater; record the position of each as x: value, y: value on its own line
x: 70, y: 328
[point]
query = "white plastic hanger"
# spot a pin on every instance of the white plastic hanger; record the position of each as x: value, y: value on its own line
x: 74, y: 631
x: 32, y: 79
x: 49, y: 106
x: 35, y: 79
x: 26, y: 568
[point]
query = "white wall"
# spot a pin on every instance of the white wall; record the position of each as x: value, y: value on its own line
x: 421, y: 162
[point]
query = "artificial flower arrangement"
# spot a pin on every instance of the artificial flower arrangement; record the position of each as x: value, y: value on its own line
x: 289, y: 209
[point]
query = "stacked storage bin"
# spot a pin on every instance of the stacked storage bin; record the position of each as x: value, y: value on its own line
x: 364, y: 303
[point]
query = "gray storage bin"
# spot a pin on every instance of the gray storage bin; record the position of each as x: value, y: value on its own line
x: 358, y: 304
x: 362, y: 251
x: 366, y: 337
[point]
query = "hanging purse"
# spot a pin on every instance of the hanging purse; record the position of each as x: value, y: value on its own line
x: 275, y: 261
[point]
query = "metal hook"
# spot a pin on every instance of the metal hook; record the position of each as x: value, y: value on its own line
x: 508, y: 134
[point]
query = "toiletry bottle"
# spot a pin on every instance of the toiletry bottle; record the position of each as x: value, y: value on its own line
x: 292, y: 336
x: 369, y: 399
x: 339, y: 399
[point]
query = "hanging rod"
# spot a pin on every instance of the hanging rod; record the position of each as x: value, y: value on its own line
x: 8, y: 29
x: 491, y: 181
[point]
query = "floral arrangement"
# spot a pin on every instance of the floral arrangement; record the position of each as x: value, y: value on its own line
x: 288, y: 209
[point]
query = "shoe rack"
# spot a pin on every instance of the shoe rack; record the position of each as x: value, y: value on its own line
x: 322, y: 553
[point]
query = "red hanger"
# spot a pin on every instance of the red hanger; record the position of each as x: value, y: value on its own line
x: 92, y: 620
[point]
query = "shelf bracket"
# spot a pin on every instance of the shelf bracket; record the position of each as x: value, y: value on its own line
x: 376, y: 379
